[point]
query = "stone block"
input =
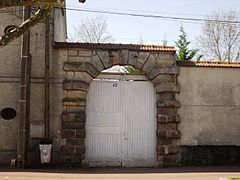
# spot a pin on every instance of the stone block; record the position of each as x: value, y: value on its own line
x: 149, y: 64
x: 159, y: 161
x: 168, y: 149
x: 68, y: 150
x: 74, y: 102
x: 73, y: 160
x: 76, y: 142
x: 173, y: 134
x: 160, y: 150
x: 161, y: 78
x: 165, y: 96
x: 161, y: 60
x: 166, y: 111
x: 175, y: 118
x: 73, y: 125
x: 72, y: 52
x: 124, y: 57
x: 167, y: 87
x: 85, y: 163
x: 169, y: 160
x: 79, y: 59
x: 165, y: 141
x: 65, y: 93
x: 75, y: 109
x: 172, y: 159
x: 80, y: 117
x: 79, y: 76
x: 173, y: 103
x: 169, y: 134
x: 75, y: 85
x: 161, y: 134
x: 73, y: 150
x: 142, y: 58
x: 115, y: 57
x: 105, y: 58
x: 155, y: 70
x: 92, y: 70
x: 167, y: 58
x: 133, y: 57
x: 80, y: 133
x: 74, y: 66
x: 61, y: 54
x: 97, y: 63
x: 167, y: 126
x: 76, y: 94
x: 84, y: 53
x: 80, y: 150
x: 66, y: 133
x: 81, y: 67
x: 67, y: 117
x: 160, y: 158
x: 90, y: 57
x: 80, y: 53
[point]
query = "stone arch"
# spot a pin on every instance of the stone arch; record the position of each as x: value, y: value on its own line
x: 84, y: 64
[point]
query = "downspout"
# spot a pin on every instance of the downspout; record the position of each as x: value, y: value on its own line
x: 47, y: 77
x: 24, y: 101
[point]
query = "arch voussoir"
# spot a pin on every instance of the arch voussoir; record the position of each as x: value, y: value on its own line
x: 132, y: 58
x: 104, y: 57
x: 142, y: 58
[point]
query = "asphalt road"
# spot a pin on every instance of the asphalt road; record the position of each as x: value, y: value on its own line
x: 206, y: 173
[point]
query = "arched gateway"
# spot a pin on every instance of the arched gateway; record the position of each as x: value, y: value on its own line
x: 84, y: 63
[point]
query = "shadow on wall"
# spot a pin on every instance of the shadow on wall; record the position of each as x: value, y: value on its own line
x: 210, y: 155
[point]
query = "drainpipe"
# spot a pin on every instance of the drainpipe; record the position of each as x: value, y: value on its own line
x: 23, y: 124
x: 47, y: 77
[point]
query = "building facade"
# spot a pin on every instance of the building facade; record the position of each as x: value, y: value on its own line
x: 196, y: 104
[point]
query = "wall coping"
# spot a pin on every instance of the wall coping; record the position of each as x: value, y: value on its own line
x: 212, y: 64
x: 110, y: 46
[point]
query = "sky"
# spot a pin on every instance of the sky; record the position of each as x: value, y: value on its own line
x: 128, y: 29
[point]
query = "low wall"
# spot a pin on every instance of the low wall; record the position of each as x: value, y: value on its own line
x: 210, y: 113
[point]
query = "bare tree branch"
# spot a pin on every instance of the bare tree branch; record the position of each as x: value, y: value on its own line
x: 221, y: 40
x: 94, y: 30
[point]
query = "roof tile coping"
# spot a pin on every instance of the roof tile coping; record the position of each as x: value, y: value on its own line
x: 110, y: 46
x: 217, y: 64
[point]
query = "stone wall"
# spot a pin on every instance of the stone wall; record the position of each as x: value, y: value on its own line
x: 84, y: 64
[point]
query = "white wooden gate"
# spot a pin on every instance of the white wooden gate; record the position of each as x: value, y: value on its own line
x: 121, y: 122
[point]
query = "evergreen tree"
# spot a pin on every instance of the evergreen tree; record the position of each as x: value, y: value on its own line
x: 132, y: 70
x: 183, y: 52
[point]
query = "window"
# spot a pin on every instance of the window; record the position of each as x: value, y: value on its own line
x: 8, y: 113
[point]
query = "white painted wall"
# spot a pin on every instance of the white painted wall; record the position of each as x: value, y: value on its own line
x: 210, y: 106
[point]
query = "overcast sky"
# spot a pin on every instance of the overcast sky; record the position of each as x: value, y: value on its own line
x: 128, y: 29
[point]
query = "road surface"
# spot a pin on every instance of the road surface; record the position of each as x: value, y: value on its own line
x: 211, y: 173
